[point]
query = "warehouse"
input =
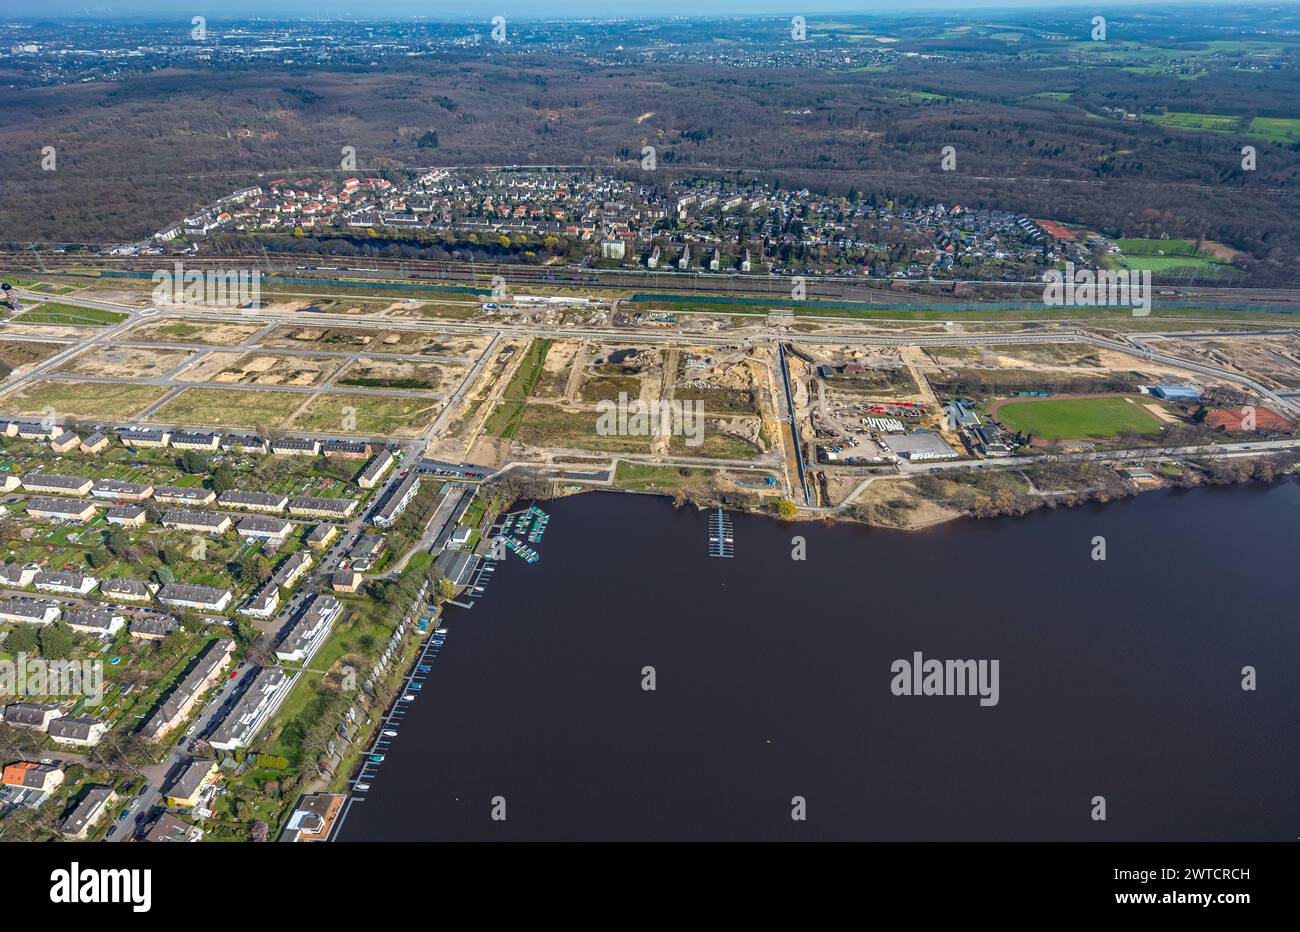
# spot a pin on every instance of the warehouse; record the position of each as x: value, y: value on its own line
x: 920, y: 446
x: 1175, y: 392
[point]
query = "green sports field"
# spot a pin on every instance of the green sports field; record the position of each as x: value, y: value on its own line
x: 1078, y: 418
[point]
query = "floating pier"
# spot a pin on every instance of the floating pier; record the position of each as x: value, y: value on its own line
x: 721, y: 537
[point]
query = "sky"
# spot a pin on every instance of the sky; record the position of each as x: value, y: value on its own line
x: 216, y: 10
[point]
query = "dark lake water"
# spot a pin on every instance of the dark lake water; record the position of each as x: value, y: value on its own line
x: 1119, y: 679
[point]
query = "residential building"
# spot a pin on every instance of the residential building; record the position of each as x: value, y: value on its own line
x: 346, y: 581
x: 126, y: 515
x: 28, y: 430
x: 397, y: 500
x: 93, y: 806
x: 263, y: 527
x: 183, y: 495
x: 30, y: 775
x: 182, y: 700
x: 168, y: 828
x: 263, y: 603
x: 58, y: 485
x: 32, y: 613
x: 13, y: 576
x: 375, y: 469
x: 292, y: 569
x: 203, y: 598
x: 121, y: 491
x: 258, y: 703
x: 204, y: 522
x: 345, y: 449
x: 94, y: 619
x: 9, y: 482
x: 322, y: 507
x: 243, y: 443
x: 54, y: 509
x: 129, y: 590
x: 308, y: 631
x: 321, y: 535
x: 64, y: 582
x: 313, y: 817
x: 144, y: 437
x: 34, y: 715
x: 295, y: 447
x: 193, y: 440
x: 153, y: 627
x: 367, y: 545
x: 95, y: 443
x: 191, y: 784
x: 65, y: 442
x: 81, y: 731
x: 253, y: 501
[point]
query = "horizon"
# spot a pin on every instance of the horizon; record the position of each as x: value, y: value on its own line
x: 586, y: 10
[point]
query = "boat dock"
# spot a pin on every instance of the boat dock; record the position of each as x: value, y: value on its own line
x: 721, y: 536
x: 392, y: 722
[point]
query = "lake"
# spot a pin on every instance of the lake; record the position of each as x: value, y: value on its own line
x: 1119, y: 678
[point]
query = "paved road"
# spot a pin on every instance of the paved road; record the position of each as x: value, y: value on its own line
x: 157, y: 775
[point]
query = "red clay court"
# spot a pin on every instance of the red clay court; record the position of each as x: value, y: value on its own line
x: 1231, y: 419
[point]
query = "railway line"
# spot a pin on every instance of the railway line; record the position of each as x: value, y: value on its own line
x: 936, y: 292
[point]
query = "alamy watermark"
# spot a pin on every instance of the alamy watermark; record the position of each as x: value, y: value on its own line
x: 1098, y: 288
x: 637, y: 418
x: 207, y: 288
x: 921, y: 677
x: 36, y: 676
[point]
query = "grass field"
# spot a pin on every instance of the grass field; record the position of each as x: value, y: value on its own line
x: 372, y: 415
x: 505, y: 420
x: 1275, y: 129
x: 545, y: 425
x: 1078, y: 418
x: 1160, y: 255
x: 218, y: 407
x: 1198, y: 122
x: 106, y: 400
x: 52, y: 312
x: 644, y: 477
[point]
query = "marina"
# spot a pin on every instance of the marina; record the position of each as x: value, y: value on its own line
x: 528, y: 524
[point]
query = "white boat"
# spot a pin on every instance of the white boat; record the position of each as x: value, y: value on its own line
x: 362, y: 787
x: 388, y: 732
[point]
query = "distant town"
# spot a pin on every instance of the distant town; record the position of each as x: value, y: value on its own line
x: 697, y: 225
